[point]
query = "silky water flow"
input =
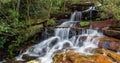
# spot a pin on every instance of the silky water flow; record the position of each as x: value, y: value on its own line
x: 45, y: 50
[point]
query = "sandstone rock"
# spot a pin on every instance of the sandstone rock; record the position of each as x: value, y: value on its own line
x: 103, y: 59
x: 109, y: 43
x: 104, y: 23
x: 72, y: 57
x: 113, y: 55
x: 100, y: 24
x: 111, y: 33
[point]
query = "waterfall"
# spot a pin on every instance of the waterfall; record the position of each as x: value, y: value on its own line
x: 44, y: 51
x: 76, y: 16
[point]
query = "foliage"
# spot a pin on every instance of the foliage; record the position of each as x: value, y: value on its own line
x: 111, y: 7
x: 51, y: 22
x: 83, y: 24
x: 17, y: 17
x: 97, y: 19
x: 45, y: 7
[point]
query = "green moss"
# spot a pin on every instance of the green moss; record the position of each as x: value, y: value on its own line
x: 83, y: 24
x: 51, y: 22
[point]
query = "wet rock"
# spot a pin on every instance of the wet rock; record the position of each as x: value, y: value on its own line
x: 109, y: 43
x: 80, y: 7
x: 65, y: 61
x: 111, y: 33
x: 100, y: 24
x: 83, y: 38
x: 72, y: 57
x: 13, y: 60
x: 25, y: 57
x: 103, y: 59
x: 104, y: 23
x: 112, y: 55
x: 34, y: 61
x: 28, y: 58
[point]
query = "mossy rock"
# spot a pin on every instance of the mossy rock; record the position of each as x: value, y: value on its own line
x: 84, y: 24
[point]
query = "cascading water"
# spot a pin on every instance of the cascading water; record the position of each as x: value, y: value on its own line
x: 45, y: 49
x: 76, y: 16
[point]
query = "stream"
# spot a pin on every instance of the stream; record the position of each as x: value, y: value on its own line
x: 45, y: 50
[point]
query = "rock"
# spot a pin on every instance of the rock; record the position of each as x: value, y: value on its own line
x: 61, y: 15
x: 80, y: 7
x: 113, y: 55
x: 111, y: 33
x: 103, y: 59
x: 34, y: 61
x: 25, y: 57
x: 65, y: 61
x: 28, y: 58
x: 13, y: 60
x: 83, y: 38
x: 99, y: 24
x: 99, y: 56
x: 72, y: 57
x: 109, y: 43
x: 104, y: 23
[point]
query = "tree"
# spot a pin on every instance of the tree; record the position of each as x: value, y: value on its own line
x: 17, y: 18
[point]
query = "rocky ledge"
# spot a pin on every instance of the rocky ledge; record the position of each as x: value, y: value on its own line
x: 100, y: 56
x: 112, y: 32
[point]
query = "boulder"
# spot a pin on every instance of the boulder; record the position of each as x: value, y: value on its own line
x: 109, y: 43
x: 111, y: 54
x: 72, y: 57
x: 99, y: 24
x: 112, y: 33
x: 103, y: 23
x: 28, y: 58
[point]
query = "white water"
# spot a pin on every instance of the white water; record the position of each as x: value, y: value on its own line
x: 45, y: 50
x: 76, y: 16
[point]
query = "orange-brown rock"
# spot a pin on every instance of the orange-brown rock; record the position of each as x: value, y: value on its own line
x: 101, y: 24
x: 111, y: 33
x: 104, y: 23
x: 103, y: 59
x: 72, y: 57
x: 109, y: 43
x: 113, y: 55
x: 65, y: 61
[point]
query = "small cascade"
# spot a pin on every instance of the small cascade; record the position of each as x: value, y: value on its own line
x: 63, y: 33
x: 77, y: 16
x: 44, y: 51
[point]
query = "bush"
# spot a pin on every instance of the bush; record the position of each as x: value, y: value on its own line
x: 17, y: 17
